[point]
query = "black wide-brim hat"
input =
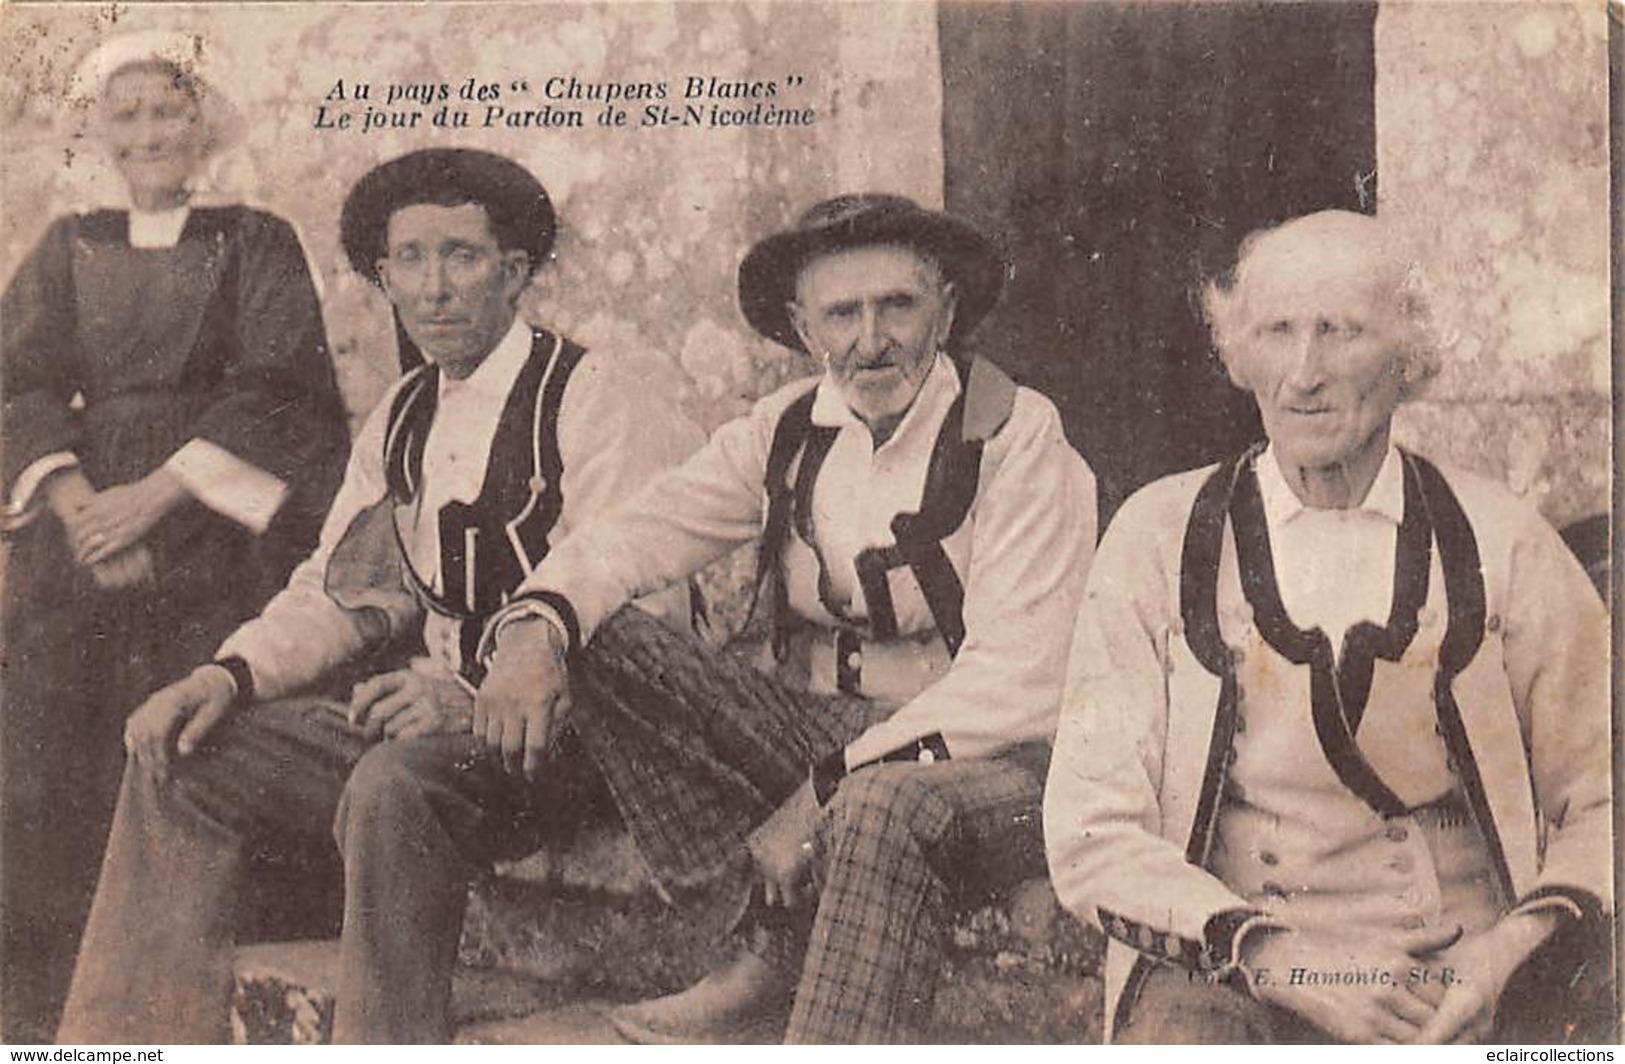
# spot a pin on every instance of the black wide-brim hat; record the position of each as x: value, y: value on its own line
x: 767, y: 276
x: 514, y: 201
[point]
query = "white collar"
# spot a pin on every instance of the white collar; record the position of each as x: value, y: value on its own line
x: 1385, y: 498
x: 936, y: 394
x: 493, y: 378
x: 158, y: 229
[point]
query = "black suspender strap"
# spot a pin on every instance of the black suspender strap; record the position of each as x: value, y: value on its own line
x: 788, y: 437
x: 410, y: 416
x: 1338, y: 690
x: 1198, y: 607
x: 951, y: 483
x: 950, y: 488
x: 488, y: 546
x: 1461, y: 563
x: 549, y: 461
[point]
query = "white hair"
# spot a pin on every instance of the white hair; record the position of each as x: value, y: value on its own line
x: 1231, y: 317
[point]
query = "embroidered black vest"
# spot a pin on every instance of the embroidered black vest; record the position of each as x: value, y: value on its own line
x: 1338, y: 688
x: 487, y: 547
x: 951, y: 482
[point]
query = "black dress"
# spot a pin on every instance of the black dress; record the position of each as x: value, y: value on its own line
x: 121, y: 355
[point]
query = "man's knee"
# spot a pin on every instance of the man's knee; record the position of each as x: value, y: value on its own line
x: 382, y: 786
x: 899, y: 802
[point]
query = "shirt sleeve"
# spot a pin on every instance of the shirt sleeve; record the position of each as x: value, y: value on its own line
x: 1556, y: 650
x: 683, y: 519
x: 1032, y: 541
x: 304, y: 632
x: 614, y: 438
x: 1109, y: 862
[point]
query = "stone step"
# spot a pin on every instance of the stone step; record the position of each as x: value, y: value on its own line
x: 550, y: 941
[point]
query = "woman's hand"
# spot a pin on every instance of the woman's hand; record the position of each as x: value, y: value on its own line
x: 117, y: 519
x: 132, y: 568
x: 69, y: 493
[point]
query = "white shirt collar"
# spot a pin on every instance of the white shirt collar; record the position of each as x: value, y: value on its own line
x: 936, y: 394
x: 494, y: 377
x: 158, y: 229
x: 1385, y: 499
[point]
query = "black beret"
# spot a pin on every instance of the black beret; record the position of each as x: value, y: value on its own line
x: 521, y: 215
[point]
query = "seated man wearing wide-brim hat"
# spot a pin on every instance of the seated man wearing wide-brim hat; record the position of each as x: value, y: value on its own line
x: 925, y: 532
x: 503, y: 442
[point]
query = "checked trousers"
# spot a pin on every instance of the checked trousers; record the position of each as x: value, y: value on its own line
x: 699, y: 748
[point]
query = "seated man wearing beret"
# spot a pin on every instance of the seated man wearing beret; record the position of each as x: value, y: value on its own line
x: 1333, y: 761
x: 508, y: 439
x: 924, y: 531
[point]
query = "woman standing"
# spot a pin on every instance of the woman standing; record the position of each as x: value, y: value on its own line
x: 172, y: 435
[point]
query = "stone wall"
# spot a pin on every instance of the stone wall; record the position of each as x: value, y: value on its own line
x: 654, y: 220
x: 1492, y: 148
x: 1492, y: 145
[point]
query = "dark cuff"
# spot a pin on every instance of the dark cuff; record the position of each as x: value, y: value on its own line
x: 829, y: 770
x: 561, y: 606
x: 926, y: 750
x: 1578, y: 906
x: 241, y: 676
x: 1222, y: 935
x: 827, y: 773
x: 1216, y: 952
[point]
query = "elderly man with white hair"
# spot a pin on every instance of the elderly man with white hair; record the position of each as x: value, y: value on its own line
x: 1333, y: 760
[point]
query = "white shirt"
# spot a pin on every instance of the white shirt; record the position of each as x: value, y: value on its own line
x: 1023, y: 555
x: 861, y: 487
x: 613, y: 435
x: 1335, y: 568
x: 457, y: 449
x: 456, y: 454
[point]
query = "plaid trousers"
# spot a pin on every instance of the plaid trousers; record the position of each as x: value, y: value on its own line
x: 699, y: 748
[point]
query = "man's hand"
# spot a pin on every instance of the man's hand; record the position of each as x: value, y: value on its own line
x: 192, y: 707
x: 525, y: 696
x: 130, y: 568
x: 406, y: 704
x: 114, y: 520
x: 783, y: 848
x: 1364, y: 1012
x: 1479, y: 968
